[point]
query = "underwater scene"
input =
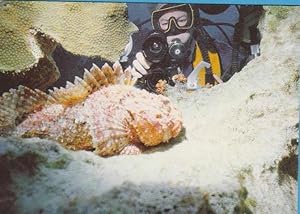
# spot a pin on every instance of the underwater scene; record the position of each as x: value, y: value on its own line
x: 148, y: 108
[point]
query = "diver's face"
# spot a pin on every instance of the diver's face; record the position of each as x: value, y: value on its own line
x: 179, y: 18
x: 183, y: 37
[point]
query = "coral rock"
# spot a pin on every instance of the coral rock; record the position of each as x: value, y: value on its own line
x: 79, y: 27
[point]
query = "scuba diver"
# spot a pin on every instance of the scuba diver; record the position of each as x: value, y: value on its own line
x: 177, y: 45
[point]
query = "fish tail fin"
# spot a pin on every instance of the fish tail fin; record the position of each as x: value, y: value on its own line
x: 17, y: 103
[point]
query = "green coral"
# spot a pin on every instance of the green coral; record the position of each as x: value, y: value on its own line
x: 89, y: 29
x: 277, y: 13
x: 60, y: 163
x: 280, y: 12
x: 245, y: 203
x: 243, y: 207
x: 15, y: 50
x: 19, y: 56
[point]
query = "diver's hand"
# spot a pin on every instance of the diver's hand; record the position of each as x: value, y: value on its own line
x: 140, y: 65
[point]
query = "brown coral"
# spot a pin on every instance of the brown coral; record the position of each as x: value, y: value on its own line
x: 97, y: 112
x: 180, y: 78
x: 161, y: 86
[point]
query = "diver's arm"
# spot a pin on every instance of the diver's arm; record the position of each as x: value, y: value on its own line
x: 139, y: 66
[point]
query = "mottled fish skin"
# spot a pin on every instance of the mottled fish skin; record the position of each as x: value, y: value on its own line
x: 103, y: 114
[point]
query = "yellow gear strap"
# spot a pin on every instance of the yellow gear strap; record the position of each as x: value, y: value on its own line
x: 215, y: 65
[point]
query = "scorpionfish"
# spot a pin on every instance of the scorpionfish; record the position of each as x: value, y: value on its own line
x: 101, y: 112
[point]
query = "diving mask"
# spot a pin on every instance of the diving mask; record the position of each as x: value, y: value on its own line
x: 164, y: 20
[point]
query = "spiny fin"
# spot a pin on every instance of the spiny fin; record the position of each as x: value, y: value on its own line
x: 93, y: 79
x: 17, y: 103
x: 110, y: 133
x: 98, y: 74
x: 112, y: 139
x: 127, y: 77
x: 112, y: 146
